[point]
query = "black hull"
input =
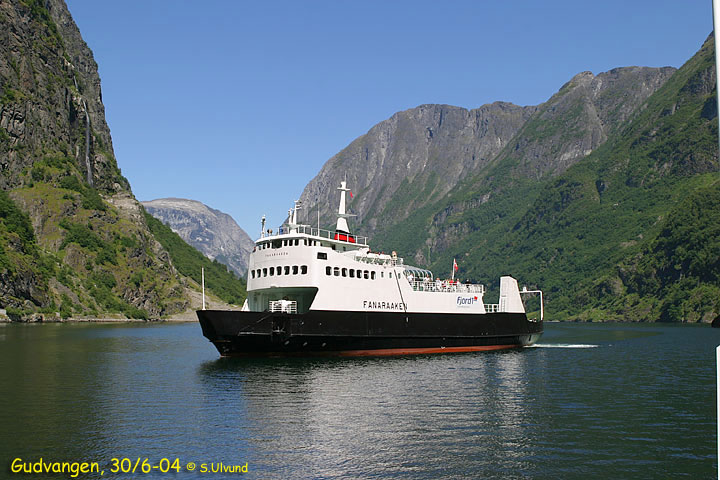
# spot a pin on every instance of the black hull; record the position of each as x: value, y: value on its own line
x: 236, y: 333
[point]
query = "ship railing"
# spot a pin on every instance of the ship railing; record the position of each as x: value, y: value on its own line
x: 378, y: 260
x: 446, y: 286
x: 282, y: 306
x: 319, y: 232
x: 492, y: 307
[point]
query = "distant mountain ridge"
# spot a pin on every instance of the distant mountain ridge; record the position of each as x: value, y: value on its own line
x: 214, y: 233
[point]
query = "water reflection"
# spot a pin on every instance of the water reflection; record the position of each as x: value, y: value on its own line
x: 368, y: 416
x: 47, y: 388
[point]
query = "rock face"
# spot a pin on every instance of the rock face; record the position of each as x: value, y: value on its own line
x: 51, y: 99
x: 211, y: 231
x: 419, y: 155
x: 580, y: 117
x: 431, y: 147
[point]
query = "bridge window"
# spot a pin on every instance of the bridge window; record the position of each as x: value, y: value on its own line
x: 303, y: 270
x: 344, y: 272
x: 352, y: 273
x: 297, y: 242
x: 358, y: 273
x: 328, y: 270
x: 336, y: 271
x: 287, y: 270
x: 295, y: 269
x: 372, y: 275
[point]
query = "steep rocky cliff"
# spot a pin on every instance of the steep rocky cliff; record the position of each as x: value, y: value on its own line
x: 51, y: 101
x: 418, y: 156
x: 580, y: 117
x: 211, y: 231
x: 73, y: 239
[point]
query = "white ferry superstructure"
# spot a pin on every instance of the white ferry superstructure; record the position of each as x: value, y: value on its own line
x: 318, y: 292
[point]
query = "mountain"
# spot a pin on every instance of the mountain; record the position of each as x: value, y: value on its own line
x: 583, y: 197
x: 211, y: 231
x: 412, y: 157
x: 73, y: 239
x: 418, y: 156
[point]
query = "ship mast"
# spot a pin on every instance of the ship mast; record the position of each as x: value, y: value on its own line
x: 292, y: 216
x: 342, y: 225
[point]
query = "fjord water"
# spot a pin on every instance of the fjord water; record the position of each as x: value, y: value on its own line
x: 590, y: 401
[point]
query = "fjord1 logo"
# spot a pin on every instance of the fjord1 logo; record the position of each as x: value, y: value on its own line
x: 466, y: 301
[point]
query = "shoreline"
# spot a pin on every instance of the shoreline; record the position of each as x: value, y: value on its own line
x: 186, y: 317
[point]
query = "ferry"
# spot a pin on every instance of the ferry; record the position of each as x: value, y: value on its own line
x: 315, y: 292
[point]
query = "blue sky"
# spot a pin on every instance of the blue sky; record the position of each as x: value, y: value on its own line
x: 238, y: 104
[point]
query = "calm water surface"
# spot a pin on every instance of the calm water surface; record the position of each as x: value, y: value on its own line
x: 591, y: 401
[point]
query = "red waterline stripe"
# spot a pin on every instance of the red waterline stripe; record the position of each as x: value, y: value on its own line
x: 381, y: 352
x: 420, y: 351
